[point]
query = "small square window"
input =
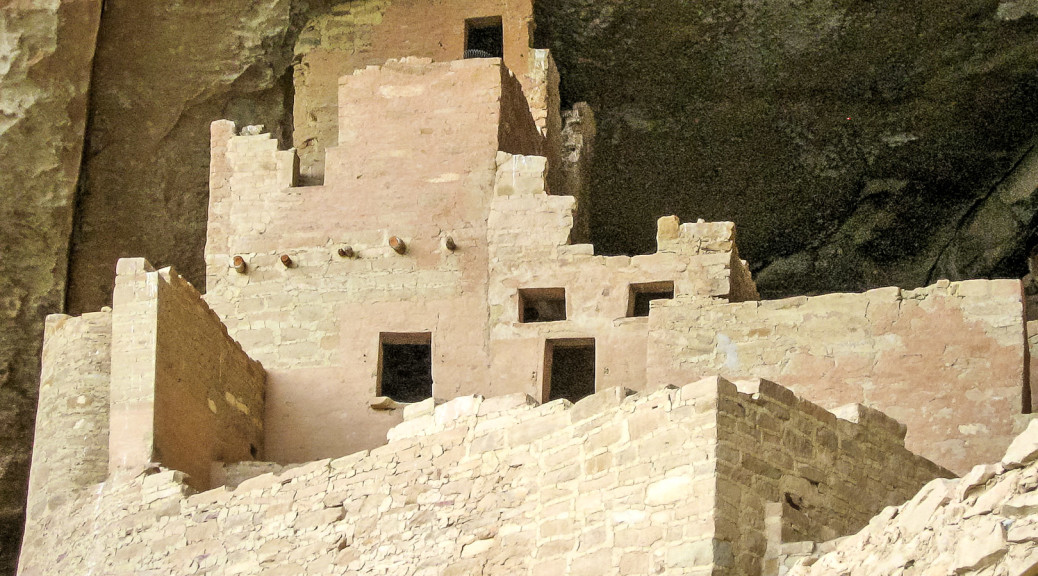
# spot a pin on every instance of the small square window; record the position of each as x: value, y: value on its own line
x: 542, y: 304
x: 484, y: 38
x: 645, y: 292
x: 405, y: 366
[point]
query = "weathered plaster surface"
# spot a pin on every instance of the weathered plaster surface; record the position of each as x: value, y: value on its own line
x: 947, y: 360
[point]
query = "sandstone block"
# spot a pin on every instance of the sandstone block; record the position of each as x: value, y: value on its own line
x: 978, y: 476
x: 590, y: 405
x: 1021, y: 505
x: 1023, y: 449
x: 668, y: 491
x: 979, y: 551
x: 450, y: 412
x: 503, y: 403
x: 1023, y: 530
x: 423, y: 408
x: 917, y: 512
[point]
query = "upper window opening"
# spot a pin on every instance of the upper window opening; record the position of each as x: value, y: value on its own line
x: 542, y: 304
x: 642, y: 294
x: 484, y: 38
x: 405, y: 366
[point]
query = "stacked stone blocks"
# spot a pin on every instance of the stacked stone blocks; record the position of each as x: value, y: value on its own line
x: 618, y: 483
x: 182, y: 391
x: 984, y: 523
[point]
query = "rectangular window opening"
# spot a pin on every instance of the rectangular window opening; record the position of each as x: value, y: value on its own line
x: 484, y: 38
x: 569, y: 368
x: 405, y: 366
x: 645, y: 292
x: 542, y: 304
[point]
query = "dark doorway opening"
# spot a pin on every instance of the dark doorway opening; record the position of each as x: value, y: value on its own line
x: 642, y: 294
x: 542, y: 304
x: 484, y: 38
x: 569, y: 369
x: 405, y: 366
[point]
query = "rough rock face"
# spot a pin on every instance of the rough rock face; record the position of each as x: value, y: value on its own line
x: 164, y: 71
x: 45, y: 51
x: 984, y: 523
x: 855, y: 144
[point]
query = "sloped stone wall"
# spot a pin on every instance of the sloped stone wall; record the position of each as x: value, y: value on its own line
x: 984, y: 523
x: 789, y: 470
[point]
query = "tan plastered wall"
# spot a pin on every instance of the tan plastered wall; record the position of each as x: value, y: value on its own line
x: 354, y: 35
x: 183, y: 393
x: 529, y: 243
x: 416, y: 160
x: 70, y: 451
x: 946, y: 360
x: 615, y: 484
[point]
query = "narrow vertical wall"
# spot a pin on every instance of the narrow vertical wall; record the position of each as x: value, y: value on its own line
x: 209, y: 395
x: 71, y: 444
x: 577, y: 151
x: 134, y: 333
x: 46, y: 49
x: 184, y: 394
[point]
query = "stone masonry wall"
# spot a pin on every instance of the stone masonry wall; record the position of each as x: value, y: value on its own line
x: 984, y: 523
x: 789, y: 470
x: 354, y: 35
x: 209, y: 394
x: 418, y: 142
x: 542, y: 93
x: 615, y: 484
x: 70, y: 451
x: 947, y: 360
x: 529, y: 243
x: 184, y: 394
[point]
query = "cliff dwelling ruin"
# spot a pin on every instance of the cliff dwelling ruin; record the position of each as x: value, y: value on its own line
x: 405, y: 361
